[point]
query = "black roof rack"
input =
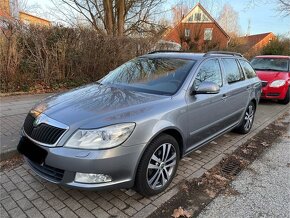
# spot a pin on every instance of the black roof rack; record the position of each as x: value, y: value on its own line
x: 163, y: 51
x: 223, y: 52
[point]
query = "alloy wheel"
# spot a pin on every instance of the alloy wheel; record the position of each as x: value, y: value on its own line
x: 249, y: 117
x: 161, y: 166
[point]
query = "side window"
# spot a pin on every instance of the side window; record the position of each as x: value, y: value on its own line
x: 232, y: 70
x: 248, y: 69
x: 209, y: 71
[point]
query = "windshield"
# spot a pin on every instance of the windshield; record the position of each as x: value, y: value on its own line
x: 152, y: 75
x: 271, y: 64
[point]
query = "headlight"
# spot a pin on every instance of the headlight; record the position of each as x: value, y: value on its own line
x: 277, y: 83
x: 102, y: 138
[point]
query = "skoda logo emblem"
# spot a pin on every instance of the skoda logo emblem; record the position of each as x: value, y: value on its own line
x: 40, y: 119
x: 36, y: 121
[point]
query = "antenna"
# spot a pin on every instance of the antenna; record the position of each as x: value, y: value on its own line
x: 249, y: 27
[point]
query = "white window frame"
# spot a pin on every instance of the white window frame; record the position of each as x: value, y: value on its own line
x: 208, y: 34
x: 187, y: 32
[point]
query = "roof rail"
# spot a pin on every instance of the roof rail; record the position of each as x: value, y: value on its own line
x: 223, y: 52
x: 163, y: 51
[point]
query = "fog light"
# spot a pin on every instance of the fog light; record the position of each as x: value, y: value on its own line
x: 92, y: 178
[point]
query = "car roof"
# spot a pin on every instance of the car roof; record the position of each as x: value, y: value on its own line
x: 273, y: 56
x: 188, y: 55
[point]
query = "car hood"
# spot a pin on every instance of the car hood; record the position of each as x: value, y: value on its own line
x: 95, y: 102
x: 270, y: 76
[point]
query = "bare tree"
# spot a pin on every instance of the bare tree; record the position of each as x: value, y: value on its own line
x: 113, y: 17
x: 229, y: 20
x: 284, y: 7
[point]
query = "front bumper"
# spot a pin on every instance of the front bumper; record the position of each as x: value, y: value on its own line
x: 61, y: 164
x: 274, y: 93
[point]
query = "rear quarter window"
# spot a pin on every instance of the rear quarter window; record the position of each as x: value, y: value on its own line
x: 249, y: 71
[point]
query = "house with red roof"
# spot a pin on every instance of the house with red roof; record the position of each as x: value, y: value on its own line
x: 198, y: 31
x: 254, y: 43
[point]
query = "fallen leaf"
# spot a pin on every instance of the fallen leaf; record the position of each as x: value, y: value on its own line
x: 265, y: 144
x: 180, y: 212
x: 220, y: 177
x: 210, y: 193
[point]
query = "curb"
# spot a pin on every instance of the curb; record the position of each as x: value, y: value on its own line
x: 233, y: 145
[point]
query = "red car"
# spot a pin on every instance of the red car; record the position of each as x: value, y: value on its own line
x: 274, y: 71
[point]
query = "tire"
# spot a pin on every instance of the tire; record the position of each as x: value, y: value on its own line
x: 286, y: 99
x: 248, y: 119
x: 157, y: 166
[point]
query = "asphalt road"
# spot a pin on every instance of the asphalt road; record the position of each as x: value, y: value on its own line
x: 263, y: 187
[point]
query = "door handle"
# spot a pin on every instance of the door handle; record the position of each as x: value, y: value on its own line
x: 224, y: 97
x: 249, y: 87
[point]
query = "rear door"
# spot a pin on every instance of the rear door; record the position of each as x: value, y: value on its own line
x: 238, y: 90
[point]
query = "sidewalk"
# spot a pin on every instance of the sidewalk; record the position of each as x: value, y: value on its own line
x: 263, y: 187
x: 13, y: 110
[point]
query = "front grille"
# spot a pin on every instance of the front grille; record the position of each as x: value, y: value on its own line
x: 51, y: 173
x: 264, y: 83
x: 273, y: 94
x: 43, y: 132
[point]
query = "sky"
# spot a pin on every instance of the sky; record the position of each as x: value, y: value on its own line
x: 262, y: 15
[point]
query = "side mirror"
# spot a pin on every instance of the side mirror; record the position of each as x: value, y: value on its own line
x: 206, y: 88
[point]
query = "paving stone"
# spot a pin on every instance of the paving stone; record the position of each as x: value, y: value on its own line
x: 4, y: 178
x: 76, y: 194
x: 197, y: 174
x: 146, y: 211
x: 214, y: 162
x: 72, y: 204
x: 22, y: 186
x: 33, y: 212
x: 3, y: 193
x: 50, y: 213
x: 17, y: 212
x: 9, y: 186
x: 16, y: 178
x: 87, y: 203
x: 3, y: 213
x: 56, y: 203
x: 135, y: 204
x: 8, y: 203
x: 31, y: 194
x: 40, y: 204
x: 103, y: 203
x: 36, y: 186
x: 99, y: 212
x: 67, y: 213
x: 45, y: 194
x: 145, y: 201
x: 60, y: 194
x: 164, y: 197
x: 118, y: 203
x: 130, y: 211
x: 16, y: 194
x: 24, y: 203
x: 83, y: 212
x: 116, y: 212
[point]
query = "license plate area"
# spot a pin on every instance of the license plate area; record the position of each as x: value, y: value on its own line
x: 32, y: 151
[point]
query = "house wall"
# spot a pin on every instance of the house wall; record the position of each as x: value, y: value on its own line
x: 264, y: 41
x: 27, y: 18
x: 177, y: 34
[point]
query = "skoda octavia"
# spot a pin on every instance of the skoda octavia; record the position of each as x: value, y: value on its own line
x: 132, y: 127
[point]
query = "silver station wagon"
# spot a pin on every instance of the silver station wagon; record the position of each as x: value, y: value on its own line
x: 132, y: 127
